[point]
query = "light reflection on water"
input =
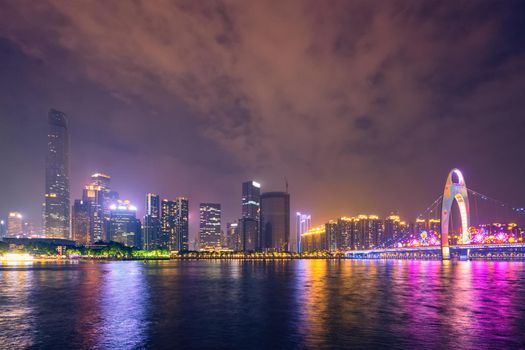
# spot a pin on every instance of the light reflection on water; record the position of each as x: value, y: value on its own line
x: 256, y: 304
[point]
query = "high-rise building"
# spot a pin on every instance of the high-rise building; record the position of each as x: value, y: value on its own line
x: 94, y: 201
x: 392, y: 229
x: 15, y: 225
x: 315, y: 240
x: 182, y: 232
x: 123, y: 225
x: 210, y: 226
x: 152, y: 229
x: 275, y: 221
x: 250, y: 220
x: 174, y: 222
x: 369, y: 232
x: 3, y: 228
x: 81, y: 223
x: 232, y: 237
x: 57, y: 207
x: 302, y: 225
x: 331, y: 229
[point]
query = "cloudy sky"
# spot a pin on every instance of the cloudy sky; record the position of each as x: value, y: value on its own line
x: 364, y: 106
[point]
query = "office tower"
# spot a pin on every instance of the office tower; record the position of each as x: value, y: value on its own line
x: 210, y: 226
x: 250, y: 220
x: 182, y: 228
x: 168, y: 223
x: 174, y: 222
x: 57, y: 177
x: 15, y: 225
x: 93, y: 200
x: 81, y: 223
x: 123, y: 225
x: 233, y: 238
x: 302, y: 225
x: 3, y: 229
x: 152, y: 223
x: 275, y: 221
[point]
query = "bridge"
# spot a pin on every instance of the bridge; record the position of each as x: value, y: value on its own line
x: 455, y: 192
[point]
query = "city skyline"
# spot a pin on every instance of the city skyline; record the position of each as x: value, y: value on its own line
x: 354, y: 123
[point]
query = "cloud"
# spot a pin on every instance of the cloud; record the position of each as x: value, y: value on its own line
x: 319, y: 91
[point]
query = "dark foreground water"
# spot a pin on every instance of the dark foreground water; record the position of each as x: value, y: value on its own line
x: 302, y: 304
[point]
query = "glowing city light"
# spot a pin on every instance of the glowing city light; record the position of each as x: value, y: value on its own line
x: 16, y: 257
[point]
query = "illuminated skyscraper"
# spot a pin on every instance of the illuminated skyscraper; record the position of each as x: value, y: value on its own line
x: 3, y: 229
x: 174, y: 222
x: 368, y: 232
x: 275, y: 221
x: 250, y: 220
x: 210, y: 226
x: 123, y: 225
x: 152, y: 223
x: 302, y: 225
x: 182, y: 228
x: 93, y: 201
x: 233, y: 237
x: 15, y: 225
x: 80, y: 223
x: 57, y: 207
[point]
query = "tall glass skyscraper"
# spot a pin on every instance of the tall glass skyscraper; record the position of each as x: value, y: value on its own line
x: 174, y: 222
x: 57, y: 209
x: 210, y: 226
x: 302, y: 225
x: 250, y: 220
x: 152, y: 223
x: 275, y: 221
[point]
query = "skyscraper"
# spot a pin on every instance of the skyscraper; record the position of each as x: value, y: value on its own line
x: 15, y: 225
x: 275, y: 221
x: 233, y: 237
x: 93, y: 202
x: 80, y: 223
x: 3, y: 229
x: 152, y: 223
x: 250, y: 220
x: 182, y: 228
x: 302, y: 225
x: 210, y: 226
x: 174, y: 222
x: 123, y: 225
x: 57, y: 177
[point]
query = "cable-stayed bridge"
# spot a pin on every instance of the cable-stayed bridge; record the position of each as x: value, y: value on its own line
x: 460, y: 216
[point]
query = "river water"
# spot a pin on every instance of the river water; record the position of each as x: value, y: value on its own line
x: 280, y: 304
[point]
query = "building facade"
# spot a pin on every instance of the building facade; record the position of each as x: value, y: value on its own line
x: 302, y: 225
x: 15, y: 225
x: 123, y: 225
x: 232, y: 239
x: 152, y: 227
x: 175, y: 224
x: 81, y: 223
x: 250, y: 216
x: 209, y: 226
x: 275, y: 221
x: 57, y: 203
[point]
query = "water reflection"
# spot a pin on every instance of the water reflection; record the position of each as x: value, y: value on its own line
x: 16, y: 316
x: 123, y: 302
x: 236, y: 304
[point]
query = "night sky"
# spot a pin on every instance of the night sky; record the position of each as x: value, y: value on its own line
x: 364, y: 106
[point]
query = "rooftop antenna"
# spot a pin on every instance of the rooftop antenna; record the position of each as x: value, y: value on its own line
x: 286, y: 184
